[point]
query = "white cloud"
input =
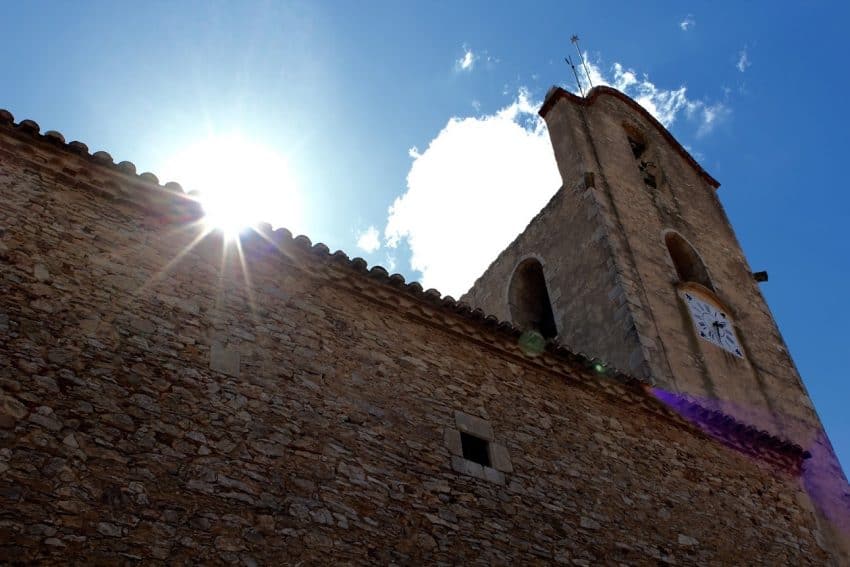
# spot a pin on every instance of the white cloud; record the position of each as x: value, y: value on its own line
x: 688, y: 22
x: 697, y: 155
x: 472, y: 191
x: 711, y: 114
x: 482, y: 179
x: 369, y: 240
x: 743, y: 60
x: 666, y: 105
x: 467, y: 60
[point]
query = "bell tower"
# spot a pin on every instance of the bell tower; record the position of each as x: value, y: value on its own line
x: 641, y: 268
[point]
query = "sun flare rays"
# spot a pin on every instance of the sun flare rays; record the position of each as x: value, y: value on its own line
x: 240, y: 184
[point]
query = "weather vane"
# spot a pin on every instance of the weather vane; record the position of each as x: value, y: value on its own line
x: 574, y: 40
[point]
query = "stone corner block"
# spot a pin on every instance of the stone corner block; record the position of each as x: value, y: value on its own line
x: 463, y: 466
x: 474, y: 425
x: 493, y: 475
x: 458, y: 464
x: 224, y: 360
x: 453, y: 443
x: 500, y: 459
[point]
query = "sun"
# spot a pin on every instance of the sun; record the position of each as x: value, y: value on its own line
x: 240, y: 183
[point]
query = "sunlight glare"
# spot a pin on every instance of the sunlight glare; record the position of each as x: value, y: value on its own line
x: 240, y: 183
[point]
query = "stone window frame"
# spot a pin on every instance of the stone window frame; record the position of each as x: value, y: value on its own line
x: 500, y: 460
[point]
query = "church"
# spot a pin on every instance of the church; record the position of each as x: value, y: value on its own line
x: 613, y: 389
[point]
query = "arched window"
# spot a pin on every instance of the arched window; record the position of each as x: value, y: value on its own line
x: 529, y: 299
x: 688, y: 264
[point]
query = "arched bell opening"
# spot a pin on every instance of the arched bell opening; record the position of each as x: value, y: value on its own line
x: 689, y: 265
x: 528, y: 299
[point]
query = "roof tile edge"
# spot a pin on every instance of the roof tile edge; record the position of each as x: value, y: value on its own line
x: 30, y: 130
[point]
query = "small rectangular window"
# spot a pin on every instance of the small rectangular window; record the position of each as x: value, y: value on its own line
x: 475, y: 449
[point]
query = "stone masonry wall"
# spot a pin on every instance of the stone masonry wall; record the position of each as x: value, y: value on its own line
x: 565, y: 237
x: 176, y: 411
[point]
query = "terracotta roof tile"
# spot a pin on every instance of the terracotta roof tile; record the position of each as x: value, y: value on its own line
x: 78, y: 148
x: 102, y: 157
x: 149, y: 177
x: 127, y: 167
x: 379, y: 272
x: 55, y: 136
x: 29, y: 126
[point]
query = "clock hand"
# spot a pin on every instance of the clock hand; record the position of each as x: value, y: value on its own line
x: 717, y: 325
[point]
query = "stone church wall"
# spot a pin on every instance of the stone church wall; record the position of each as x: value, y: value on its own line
x: 156, y: 409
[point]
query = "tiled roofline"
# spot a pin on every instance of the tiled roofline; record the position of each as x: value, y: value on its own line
x: 143, y: 189
x: 170, y: 196
x: 557, y: 93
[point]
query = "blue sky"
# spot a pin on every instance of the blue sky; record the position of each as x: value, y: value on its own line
x: 375, y: 105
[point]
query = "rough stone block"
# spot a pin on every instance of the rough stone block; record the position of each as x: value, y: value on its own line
x: 40, y: 272
x: 474, y: 469
x: 224, y: 360
x: 500, y: 459
x: 459, y: 464
x: 493, y: 475
x: 463, y: 466
x: 452, y: 439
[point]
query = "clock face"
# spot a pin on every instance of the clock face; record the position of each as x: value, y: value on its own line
x: 712, y: 324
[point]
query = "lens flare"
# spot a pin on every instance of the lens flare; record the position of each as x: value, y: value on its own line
x: 240, y: 183
x: 532, y: 343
